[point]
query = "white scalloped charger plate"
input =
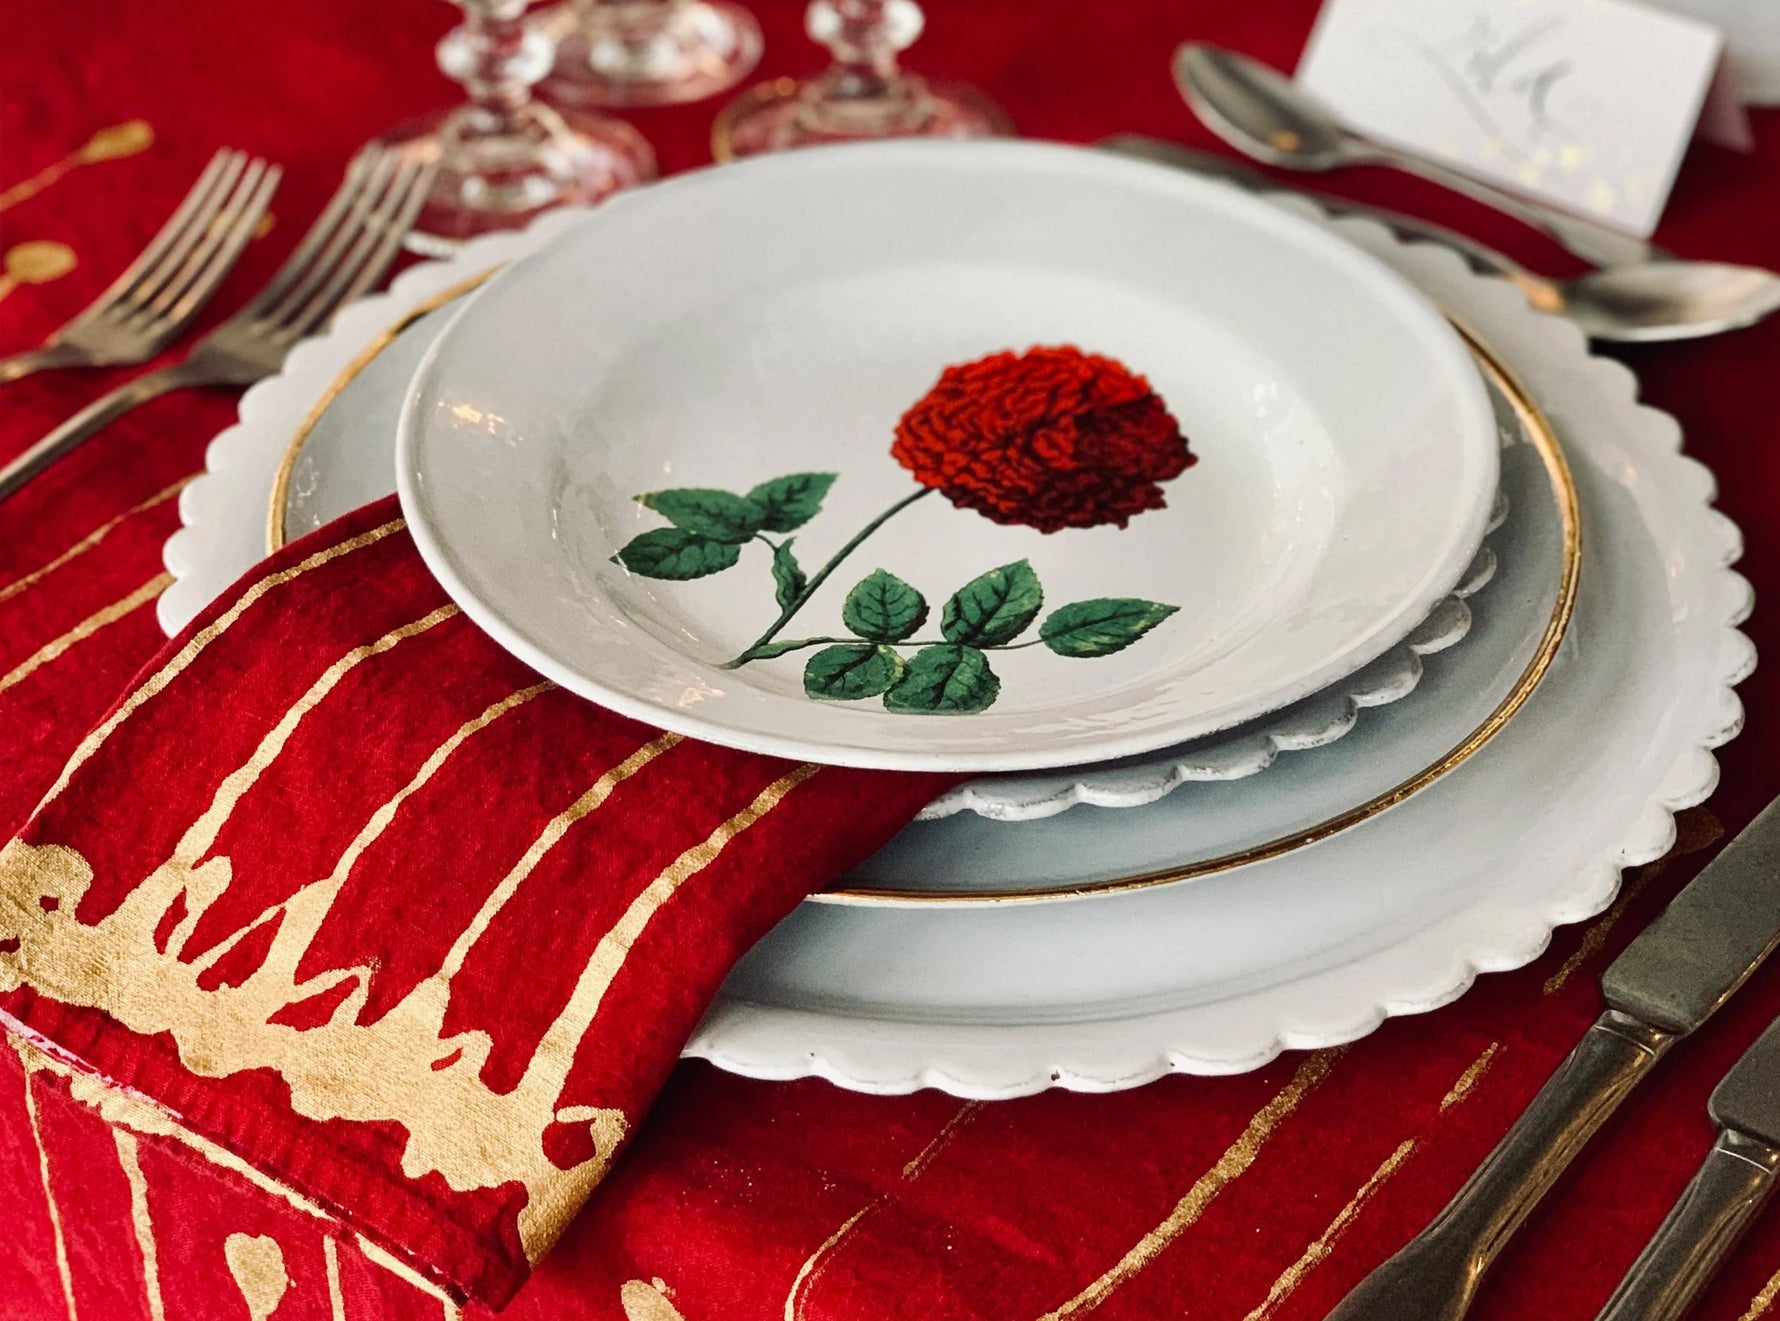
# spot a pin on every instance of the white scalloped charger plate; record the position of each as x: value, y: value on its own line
x: 732, y: 326
x: 1309, y: 950
x: 1397, y: 915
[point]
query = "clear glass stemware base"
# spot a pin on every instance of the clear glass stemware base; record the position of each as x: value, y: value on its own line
x: 779, y: 115
x: 648, y: 52
x: 490, y: 180
x: 864, y: 94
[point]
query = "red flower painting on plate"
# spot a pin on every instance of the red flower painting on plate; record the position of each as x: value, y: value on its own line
x: 1052, y: 439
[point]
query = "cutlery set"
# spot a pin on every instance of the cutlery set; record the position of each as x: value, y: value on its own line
x: 1675, y: 975
x: 1665, y: 985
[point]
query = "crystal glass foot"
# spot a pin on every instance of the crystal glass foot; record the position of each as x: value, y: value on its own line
x: 863, y: 95
x: 503, y: 157
x: 648, y: 52
x: 501, y: 181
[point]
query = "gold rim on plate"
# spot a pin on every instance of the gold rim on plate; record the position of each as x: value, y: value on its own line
x: 275, y: 519
x: 1533, y: 423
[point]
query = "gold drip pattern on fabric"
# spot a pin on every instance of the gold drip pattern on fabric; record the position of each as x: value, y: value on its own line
x: 330, y: 1260
x: 647, y: 1300
x: 1323, y: 1245
x: 257, y: 1264
x: 401, y: 1068
x: 817, y: 1261
x: 1763, y: 1300
x: 1232, y: 1165
x: 199, y: 641
x: 123, y: 1109
x: 114, y: 142
x: 85, y: 629
x: 31, y: 1062
x: 129, y: 1159
x: 92, y: 539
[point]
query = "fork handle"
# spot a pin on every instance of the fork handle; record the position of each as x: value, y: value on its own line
x: 53, y: 354
x: 1730, y: 1188
x: 103, y: 410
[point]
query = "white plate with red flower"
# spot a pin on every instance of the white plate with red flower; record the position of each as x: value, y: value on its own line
x: 941, y: 456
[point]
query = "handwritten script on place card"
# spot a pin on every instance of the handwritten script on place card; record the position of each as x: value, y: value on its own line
x: 1585, y: 104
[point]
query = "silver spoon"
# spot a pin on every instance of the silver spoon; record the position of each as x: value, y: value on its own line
x: 1261, y: 112
x: 1658, y: 300
x: 1644, y: 294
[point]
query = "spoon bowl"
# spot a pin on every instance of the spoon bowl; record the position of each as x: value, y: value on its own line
x: 1260, y: 111
x: 1668, y: 300
x: 1649, y: 302
x: 1279, y: 124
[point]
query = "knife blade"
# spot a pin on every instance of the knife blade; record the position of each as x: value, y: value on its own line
x: 1748, y: 1099
x: 1689, y: 961
x: 1668, y: 982
x: 1719, y: 1204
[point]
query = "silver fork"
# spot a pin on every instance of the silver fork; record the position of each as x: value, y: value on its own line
x: 148, y: 306
x: 345, y: 252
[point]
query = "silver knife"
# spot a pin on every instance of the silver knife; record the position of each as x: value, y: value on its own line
x: 1732, y: 1185
x: 1669, y: 981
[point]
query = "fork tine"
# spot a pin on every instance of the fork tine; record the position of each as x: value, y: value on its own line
x: 379, y: 237
x: 216, y: 231
x: 415, y: 189
x: 313, y: 242
x: 172, y: 261
x: 234, y: 235
x: 196, y: 196
x: 340, y: 242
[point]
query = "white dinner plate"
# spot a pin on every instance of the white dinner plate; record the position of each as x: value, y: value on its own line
x: 767, y: 455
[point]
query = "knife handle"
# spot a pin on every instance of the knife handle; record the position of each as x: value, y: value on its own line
x: 1436, y: 1275
x: 1714, y: 1210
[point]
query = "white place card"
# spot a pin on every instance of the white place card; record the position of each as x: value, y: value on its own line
x: 1585, y: 104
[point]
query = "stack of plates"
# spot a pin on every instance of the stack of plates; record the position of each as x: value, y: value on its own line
x: 1309, y: 624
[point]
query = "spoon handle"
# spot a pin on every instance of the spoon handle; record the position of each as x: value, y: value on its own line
x: 1542, y: 293
x: 1592, y: 242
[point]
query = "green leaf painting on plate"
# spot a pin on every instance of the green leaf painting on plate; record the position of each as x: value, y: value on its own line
x: 884, y: 608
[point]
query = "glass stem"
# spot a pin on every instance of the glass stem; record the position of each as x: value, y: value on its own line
x: 864, y: 37
x: 496, y: 58
x: 861, y: 54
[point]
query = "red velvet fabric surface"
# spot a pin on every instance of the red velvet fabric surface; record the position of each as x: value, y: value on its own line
x: 1265, y: 1195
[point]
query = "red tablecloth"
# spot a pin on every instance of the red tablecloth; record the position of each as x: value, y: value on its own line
x: 1266, y: 1195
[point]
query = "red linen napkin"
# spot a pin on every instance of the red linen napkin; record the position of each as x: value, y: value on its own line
x: 350, y: 892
